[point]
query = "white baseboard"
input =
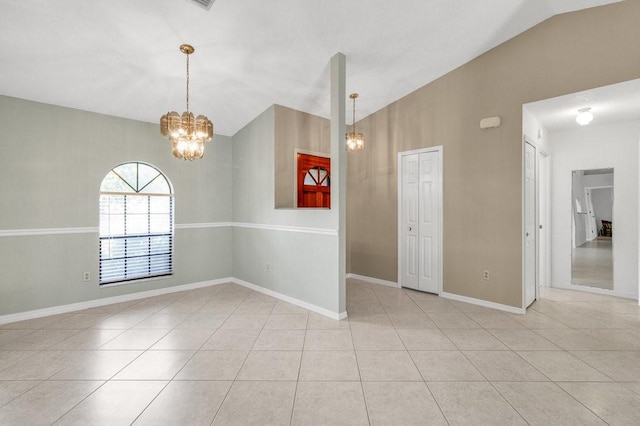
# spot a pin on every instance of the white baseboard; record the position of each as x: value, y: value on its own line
x: 445, y: 295
x: 63, y: 309
x: 595, y: 290
x: 373, y: 280
x: 480, y: 302
x: 292, y: 300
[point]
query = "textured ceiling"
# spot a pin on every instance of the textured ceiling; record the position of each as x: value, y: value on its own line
x: 121, y: 57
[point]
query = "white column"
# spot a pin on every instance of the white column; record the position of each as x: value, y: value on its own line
x: 339, y: 168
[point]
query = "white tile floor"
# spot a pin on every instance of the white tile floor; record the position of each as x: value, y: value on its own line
x: 228, y: 355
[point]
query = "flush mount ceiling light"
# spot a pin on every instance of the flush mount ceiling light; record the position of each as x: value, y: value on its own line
x: 355, y: 141
x: 187, y: 133
x: 584, y: 117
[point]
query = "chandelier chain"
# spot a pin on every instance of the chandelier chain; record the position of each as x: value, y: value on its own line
x: 354, y: 115
x: 187, y: 82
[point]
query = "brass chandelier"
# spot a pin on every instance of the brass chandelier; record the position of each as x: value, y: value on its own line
x: 355, y: 141
x: 187, y: 133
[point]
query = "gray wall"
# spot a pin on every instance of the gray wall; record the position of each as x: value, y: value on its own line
x: 50, y: 186
x: 300, y: 245
x: 52, y: 161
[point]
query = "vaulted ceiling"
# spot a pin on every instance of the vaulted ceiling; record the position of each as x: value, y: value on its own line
x: 121, y: 57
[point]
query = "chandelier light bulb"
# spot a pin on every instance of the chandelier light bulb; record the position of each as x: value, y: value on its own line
x: 584, y: 117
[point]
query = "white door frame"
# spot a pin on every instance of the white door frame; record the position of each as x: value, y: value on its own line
x: 544, y: 220
x: 536, y: 226
x: 439, y: 149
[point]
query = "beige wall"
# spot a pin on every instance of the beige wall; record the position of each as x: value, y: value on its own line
x: 482, y: 169
x: 295, y: 129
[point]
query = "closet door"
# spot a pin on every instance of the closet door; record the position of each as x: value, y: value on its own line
x: 419, y: 224
x: 430, y: 206
x: 409, y: 201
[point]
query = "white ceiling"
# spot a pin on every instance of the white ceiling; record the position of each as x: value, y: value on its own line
x: 609, y: 104
x: 121, y: 57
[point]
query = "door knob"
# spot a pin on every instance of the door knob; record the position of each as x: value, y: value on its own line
x: 409, y: 228
x: 526, y: 234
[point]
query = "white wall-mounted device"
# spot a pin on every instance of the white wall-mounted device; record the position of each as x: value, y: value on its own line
x: 490, y: 122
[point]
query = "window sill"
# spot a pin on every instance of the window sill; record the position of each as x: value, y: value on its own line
x: 135, y: 281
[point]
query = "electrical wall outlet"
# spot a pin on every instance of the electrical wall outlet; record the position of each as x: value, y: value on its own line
x: 268, y: 267
x: 485, y: 275
x: 86, y: 276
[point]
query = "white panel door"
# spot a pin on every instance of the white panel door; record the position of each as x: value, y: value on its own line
x: 410, y: 256
x: 420, y: 195
x: 530, y: 224
x: 429, y: 222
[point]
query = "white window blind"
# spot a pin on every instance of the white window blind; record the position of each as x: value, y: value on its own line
x: 136, y: 224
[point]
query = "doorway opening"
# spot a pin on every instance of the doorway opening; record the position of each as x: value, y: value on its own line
x: 573, y: 223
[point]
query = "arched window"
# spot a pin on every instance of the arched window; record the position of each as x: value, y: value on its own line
x: 317, y: 176
x: 136, y: 224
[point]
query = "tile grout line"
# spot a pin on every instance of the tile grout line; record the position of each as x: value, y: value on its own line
x: 110, y: 379
x: 419, y: 372
x: 387, y: 312
x: 233, y: 382
x: 355, y: 352
x: 295, y: 390
x: 181, y: 368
